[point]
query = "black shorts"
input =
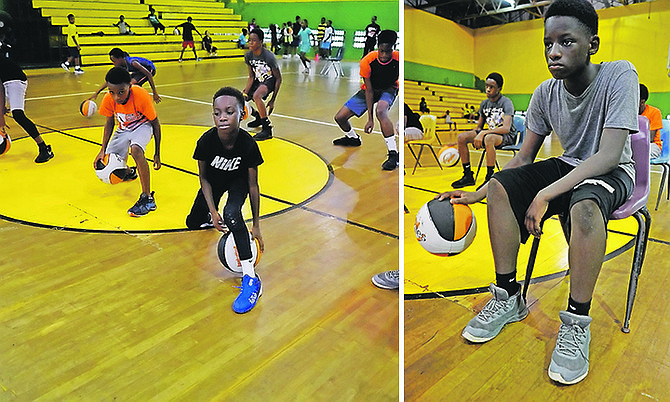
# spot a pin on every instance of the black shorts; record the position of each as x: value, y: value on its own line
x: 269, y: 83
x: 74, y: 52
x: 140, y: 78
x: 522, y: 184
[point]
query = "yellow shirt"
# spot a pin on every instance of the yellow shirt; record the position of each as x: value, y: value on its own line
x: 72, y: 32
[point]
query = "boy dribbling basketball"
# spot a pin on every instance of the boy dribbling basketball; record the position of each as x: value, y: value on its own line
x: 228, y: 160
x: 133, y: 107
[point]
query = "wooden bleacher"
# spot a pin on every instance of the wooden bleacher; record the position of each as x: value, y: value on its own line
x: 441, y: 98
x: 97, y: 35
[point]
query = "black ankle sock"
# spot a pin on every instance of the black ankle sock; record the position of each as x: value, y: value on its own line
x: 578, y: 308
x: 489, y: 171
x: 508, y: 282
x: 42, y: 146
x: 466, y: 168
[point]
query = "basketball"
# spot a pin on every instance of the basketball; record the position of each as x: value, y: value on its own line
x: 5, y: 144
x: 448, y: 156
x: 248, y: 109
x: 88, y: 108
x: 443, y: 228
x: 227, y: 251
x: 112, y: 169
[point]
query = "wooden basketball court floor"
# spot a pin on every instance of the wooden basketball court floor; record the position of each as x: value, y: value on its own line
x: 95, y: 305
x: 443, y: 293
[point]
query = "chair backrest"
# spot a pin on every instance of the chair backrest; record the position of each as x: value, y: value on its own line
x: 429, y: 122
x: 665, y: 138
x: 520, y: 124
x: 338, y: 54
x: 640, y: 145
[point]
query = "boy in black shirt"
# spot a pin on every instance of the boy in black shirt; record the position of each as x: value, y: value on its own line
x: 187, y: 37
x: 228, y: 160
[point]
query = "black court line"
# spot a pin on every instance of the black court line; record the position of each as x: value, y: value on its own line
x: 291, y: 205
x: 464, y: 292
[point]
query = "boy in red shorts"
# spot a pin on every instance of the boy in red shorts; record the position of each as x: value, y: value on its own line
x: 187, y: 37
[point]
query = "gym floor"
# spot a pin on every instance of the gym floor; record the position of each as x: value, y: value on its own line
x: 96, y: 303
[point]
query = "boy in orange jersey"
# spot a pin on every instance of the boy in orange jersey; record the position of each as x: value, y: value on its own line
x: 655, y: 123
x: 133, y: 107
x: 379, y: 70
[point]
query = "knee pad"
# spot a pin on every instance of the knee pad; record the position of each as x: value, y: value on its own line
x: 233, y: 219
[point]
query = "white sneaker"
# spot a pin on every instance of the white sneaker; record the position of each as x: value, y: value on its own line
x: 78, y: 71
x: 65, y: 67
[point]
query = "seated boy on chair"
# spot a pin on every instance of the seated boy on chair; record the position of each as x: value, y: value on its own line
x: 592, y: 108
x: 497, y: 112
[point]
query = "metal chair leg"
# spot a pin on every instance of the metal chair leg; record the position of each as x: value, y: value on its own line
x: 644, y: 224
x: 662, y: 183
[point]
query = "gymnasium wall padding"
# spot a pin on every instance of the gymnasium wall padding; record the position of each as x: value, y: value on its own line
x: 348, y: 15
x: 637, y: 33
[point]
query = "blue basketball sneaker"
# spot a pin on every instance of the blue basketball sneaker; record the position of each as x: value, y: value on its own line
x: 143, y: 206
x: 251, y: 290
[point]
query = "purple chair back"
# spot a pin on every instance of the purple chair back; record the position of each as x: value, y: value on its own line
x: 640, y: 145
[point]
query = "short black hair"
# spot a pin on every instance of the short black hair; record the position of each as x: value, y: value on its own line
x: 580, y: 9
x: 644, y: 92
x: 118, y: 53
x: 497, y: 78
x: 387, y: 36
x: 70, y: 16
x: 117, y: 75
x: 258, y: 32
x: 230, y: 91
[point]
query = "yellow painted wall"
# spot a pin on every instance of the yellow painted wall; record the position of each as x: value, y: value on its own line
x: 639, y: 33
x: 437, y: 42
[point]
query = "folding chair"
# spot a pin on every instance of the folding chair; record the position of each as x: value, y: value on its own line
x: 333, y: 62
x: 520, y: 124
x: 664, y: 160
x: 428, y: 122
x: 634, y: 206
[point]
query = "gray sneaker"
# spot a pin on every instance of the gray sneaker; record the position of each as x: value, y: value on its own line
x: 500, y: 310
x: 570, y: 360
x: 387, y: 280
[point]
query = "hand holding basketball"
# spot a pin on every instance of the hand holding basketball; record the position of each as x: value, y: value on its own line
x: 217, y: 220
x: 256, y: 232
x: 460, y: 197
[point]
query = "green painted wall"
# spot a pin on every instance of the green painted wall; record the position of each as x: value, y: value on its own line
x: 422, y: 72
x: 350, y: 16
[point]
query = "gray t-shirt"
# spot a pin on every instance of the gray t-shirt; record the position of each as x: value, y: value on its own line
x: 611, y: 101
x: 261, y: 65
x: 493, y: 112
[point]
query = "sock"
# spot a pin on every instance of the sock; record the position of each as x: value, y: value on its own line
x: 42, y: 146
x: 508, y: 282
x: 391, y: 143
x: 466, y: 168
x: 489, y: 171
x: 248, y: 267
x: 351, y: 133
x: 578, y: 308
x: 67, y: 63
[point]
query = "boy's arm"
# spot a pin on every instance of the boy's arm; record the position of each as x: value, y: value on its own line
x: 157, y: 141
x: 95, y: 95
x: 2, y: 106
x: 277, y: 75
x: 369, y: 101
x: 504, y: 129
x: 150, y: 77
x: 255, y: 201
x: 206, y: 188
x: 106, y: 135
x: 250, y: 81
x: 604, y: 161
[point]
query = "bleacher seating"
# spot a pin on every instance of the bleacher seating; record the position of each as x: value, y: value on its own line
x: 97, y: 35
x: 440, y: 98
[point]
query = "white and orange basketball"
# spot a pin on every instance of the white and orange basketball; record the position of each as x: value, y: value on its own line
x: 448, y: 156
x: 443, y: 228
x: 227, y: 251
x: 88, y: 108
x: 5, y: 144
x: 112, y: 169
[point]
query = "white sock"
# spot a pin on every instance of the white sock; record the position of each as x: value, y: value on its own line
x: 351, y: 133
x: 2, y: 139
x: 391, y: 143
x: 248, y: 267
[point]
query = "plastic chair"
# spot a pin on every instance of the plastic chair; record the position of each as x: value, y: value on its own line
x: 334, y: 63
x: 634, y: 206
x: 429, y: 122
x: 520, y: 124
x: 664, y: 160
